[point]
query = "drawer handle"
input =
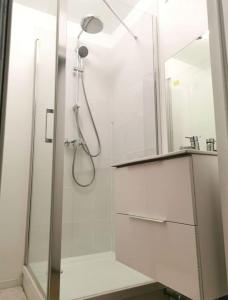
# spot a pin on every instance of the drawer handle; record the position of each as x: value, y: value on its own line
x: 147, y: 219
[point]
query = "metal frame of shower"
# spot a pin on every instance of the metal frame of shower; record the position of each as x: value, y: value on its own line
x: 54, y: 271
x: 5, y: 33
x: 54, y: 261
x: 157, y: 86
x: 119, y: 19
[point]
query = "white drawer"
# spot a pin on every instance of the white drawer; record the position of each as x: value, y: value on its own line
x: 160, y: 190
x: 165, y: 252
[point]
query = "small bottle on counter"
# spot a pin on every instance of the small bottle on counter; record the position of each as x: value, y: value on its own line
x: 211, y: 144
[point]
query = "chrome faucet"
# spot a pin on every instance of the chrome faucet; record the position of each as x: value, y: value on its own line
x: 194, y: 141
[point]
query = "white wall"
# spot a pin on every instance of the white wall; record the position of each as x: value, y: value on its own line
x: 180, y: 22
x: 87, y: 219
x: 14, y: 187
x: 119, y: 83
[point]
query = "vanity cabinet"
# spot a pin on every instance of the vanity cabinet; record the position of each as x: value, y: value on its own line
x: 168, y: 222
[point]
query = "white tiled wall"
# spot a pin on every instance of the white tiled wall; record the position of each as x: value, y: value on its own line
x: 87, y: 219
x: 119, y: 84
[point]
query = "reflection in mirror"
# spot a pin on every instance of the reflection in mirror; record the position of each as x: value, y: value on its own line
x: 189, y: 97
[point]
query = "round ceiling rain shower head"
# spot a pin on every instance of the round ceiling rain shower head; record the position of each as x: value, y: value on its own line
x: 92, y: 24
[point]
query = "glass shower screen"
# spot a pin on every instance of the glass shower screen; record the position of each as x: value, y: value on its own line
x: 44, y: 39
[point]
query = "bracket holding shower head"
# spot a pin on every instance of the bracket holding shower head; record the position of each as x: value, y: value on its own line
x: 92, y: 24
x: 119, y: 18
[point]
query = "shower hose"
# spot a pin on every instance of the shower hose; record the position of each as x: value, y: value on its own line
x: 82, y: 140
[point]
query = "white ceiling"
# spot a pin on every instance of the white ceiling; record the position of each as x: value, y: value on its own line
x: 48, y: 6
x: 196, y: 54
x: 77, y: 9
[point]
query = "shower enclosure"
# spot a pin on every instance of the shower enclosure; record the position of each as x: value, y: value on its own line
x: 90, y: 72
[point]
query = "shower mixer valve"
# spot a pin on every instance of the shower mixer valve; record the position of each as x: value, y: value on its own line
x: 75, y: 107
x: 76, y: 69
x: 74, y: 143
x: 69, y: 143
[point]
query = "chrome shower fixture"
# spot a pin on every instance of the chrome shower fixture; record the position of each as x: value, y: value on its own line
x: 91, y: 24
x: 83, y: 51
x: 119, y: 19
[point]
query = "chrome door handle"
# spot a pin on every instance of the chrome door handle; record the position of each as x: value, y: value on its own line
x: 48, y: 111
x: 131, y: 216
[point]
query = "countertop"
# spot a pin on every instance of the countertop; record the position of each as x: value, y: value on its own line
x: 162, y: 157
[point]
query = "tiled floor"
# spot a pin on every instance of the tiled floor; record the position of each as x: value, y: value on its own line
x: 12, y: 294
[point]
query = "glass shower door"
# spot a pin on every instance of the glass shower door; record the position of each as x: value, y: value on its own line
x: 46, y: 130
x: 42, y: 157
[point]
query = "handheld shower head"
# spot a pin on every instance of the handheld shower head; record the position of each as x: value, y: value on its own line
x: 83, y: 51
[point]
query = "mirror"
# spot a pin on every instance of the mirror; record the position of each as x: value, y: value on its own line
x: 189, y: 96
